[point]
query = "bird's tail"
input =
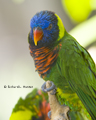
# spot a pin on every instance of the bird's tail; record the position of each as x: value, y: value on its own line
x: 89, y: 103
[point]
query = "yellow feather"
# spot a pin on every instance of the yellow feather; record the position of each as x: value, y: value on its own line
x: 61, y: 27
x: 21, y: 115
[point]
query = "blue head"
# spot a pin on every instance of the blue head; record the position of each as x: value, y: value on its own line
x: 46, y: 28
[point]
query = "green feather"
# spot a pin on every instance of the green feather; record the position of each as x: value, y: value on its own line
x: 75, y: 72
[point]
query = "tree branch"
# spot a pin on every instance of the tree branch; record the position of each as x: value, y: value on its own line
x: 58, y: 112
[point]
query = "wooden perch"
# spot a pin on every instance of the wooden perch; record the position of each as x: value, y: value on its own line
x: 58, y: 112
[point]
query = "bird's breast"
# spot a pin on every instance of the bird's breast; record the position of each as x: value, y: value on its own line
x: 44, y: 58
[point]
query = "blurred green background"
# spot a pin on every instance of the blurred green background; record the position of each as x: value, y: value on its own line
x: 16, y: 64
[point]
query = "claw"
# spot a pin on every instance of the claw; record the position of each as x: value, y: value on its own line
x: 43, y: 87
x: 53, y: 87
x: 53, y: 92
x: 49, y: 114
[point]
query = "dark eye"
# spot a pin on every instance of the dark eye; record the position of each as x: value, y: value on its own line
x: 49, y: 27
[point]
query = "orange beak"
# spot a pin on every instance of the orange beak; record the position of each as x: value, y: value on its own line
x: 38, y: 34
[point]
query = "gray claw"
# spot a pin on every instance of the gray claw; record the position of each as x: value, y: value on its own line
x: 43, y: 87
x: 49, y: 114
x: 53, y: 87
x: 53, y: 92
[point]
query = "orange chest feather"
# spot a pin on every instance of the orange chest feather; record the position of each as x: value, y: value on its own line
x: 44, y: 58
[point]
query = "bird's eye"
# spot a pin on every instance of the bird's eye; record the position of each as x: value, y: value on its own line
x: 49, y: 27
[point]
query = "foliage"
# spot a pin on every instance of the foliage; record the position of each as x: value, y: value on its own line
x: 78, y: 10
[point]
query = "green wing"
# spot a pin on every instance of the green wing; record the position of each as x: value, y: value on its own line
x: 34, y: 106
x: 78, y: 68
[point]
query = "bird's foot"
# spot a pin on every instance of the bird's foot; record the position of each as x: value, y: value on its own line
x: 53, y: 87
x: 49, y: 114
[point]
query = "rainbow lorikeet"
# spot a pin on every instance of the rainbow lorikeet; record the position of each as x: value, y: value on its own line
x: 34, y: 106
x: 61, y: 59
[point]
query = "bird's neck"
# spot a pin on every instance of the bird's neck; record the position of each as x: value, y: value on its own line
x: 44, y: 58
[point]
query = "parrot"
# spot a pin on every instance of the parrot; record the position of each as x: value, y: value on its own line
x: 58, y: 57
x: 34, y: 106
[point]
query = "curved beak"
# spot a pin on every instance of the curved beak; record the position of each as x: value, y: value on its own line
x: 38, y: 34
